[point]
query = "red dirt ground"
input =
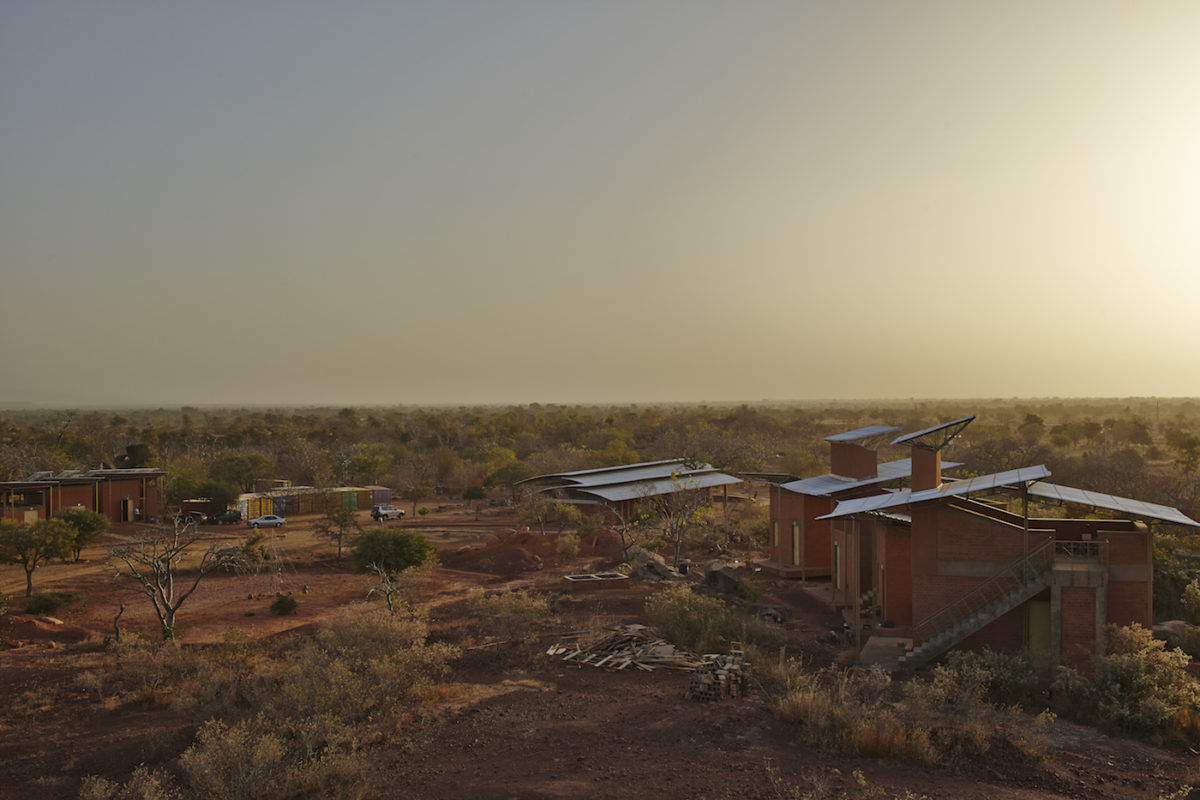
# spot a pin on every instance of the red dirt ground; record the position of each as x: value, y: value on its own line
x: 523, y: 725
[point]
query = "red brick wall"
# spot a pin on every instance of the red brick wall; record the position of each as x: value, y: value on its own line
x: 75, y: 495
x: 1006, y: 634
x: 787, y: 507
x: 852, y: 460
x: 1078, y: 626
x: 818, y: 536
x: 113, y: 492
x: 942, y: 534
x: 1132, y: 547
x: 926, y: 469
x: 894, y: 551
x: 1129, y: 602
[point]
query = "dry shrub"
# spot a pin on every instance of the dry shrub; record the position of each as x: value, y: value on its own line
x: 691, y: 620
x: 703, y: 624
x: 241, y: 762
x: 291, y: 717
x: 510, y: 616
x: 862, y: 713
x: 360, y: 669
x: 567, y: 546
x: 143, y: 784
x: 247, y: 762
x: 1140, y: 687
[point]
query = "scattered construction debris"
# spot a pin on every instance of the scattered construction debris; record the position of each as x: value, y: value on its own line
x: 719, y: 676
x: 627, y: 646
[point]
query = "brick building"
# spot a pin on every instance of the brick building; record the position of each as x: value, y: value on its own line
x: 800, y: 543
x: 122, y: 495
x: 981, y: 562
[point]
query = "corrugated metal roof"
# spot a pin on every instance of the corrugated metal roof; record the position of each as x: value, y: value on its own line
x: 869, y: 432
x: 832, y: 484
x: 652, y: 488
x: 908, y: 496
x: 636, y: 472
x: 1137, y: 508
x: 612, y: 473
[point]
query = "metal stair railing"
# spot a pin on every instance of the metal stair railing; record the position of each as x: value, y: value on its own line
x: 1012, y: 579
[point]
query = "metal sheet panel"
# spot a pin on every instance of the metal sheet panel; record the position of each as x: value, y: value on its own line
x: 633, y: 491
x: 869, y: 432
x: 907, y: 496
x: 934, y: 429
x: 637, y: 473
x: 614, y: 472
x: 1136, y: 508
x: 832, y: 484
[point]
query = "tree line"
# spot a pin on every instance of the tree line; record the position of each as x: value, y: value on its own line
x: 1140, y: 447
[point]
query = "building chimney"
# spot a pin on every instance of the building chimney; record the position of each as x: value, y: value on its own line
x: 926, y: 469
x: 851, y: 460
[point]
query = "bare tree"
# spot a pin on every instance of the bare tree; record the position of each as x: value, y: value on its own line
x: 679, y: 511
x: 154, y: 565
x: 391, y: 583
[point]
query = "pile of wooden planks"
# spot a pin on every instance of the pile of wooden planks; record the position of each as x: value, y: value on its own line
x: 627, y: 646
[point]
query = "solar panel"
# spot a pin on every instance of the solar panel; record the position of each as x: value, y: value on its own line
x: 869, y: 432
x: 907, y: 496
x: 927, y: 437
x: 1137, y: 508
x: 831, y: 484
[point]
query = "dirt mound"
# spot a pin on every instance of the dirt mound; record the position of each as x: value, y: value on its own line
x: 507, y: 552
x: 20, y: 628
x: 602, y: 544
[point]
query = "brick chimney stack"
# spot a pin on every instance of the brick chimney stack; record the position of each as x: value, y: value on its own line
x: 926, y: 468
x: 851, y: 460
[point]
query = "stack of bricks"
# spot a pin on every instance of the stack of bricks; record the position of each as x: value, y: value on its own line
x: 718, y: 676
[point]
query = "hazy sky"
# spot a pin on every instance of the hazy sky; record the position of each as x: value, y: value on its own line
x: 386, y: 202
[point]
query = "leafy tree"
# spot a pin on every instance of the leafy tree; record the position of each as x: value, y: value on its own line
x: 238, y: 469
x: 32, y: 543
x: 337, y: 526
x: 414, y: 493
x: 222, y: 495
x: 89, y: 527
x: 153, y: 564
x: 536, y: 507
x: 369, y: 463
x: 392, y: 549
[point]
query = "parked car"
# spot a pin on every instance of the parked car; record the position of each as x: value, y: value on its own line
x: 225, y: 517
x: 386, y: 511
x: 267, y: 521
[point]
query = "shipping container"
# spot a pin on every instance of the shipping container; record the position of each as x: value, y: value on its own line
x: 310, y: 501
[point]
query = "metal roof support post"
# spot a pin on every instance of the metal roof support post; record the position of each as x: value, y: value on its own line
x: 857, y: 532
x: 1025, y: 532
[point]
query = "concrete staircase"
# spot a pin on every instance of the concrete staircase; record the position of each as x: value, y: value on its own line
x: 1017, y: 583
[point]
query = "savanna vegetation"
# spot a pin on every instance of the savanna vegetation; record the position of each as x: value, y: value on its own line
x: 307, y: 715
